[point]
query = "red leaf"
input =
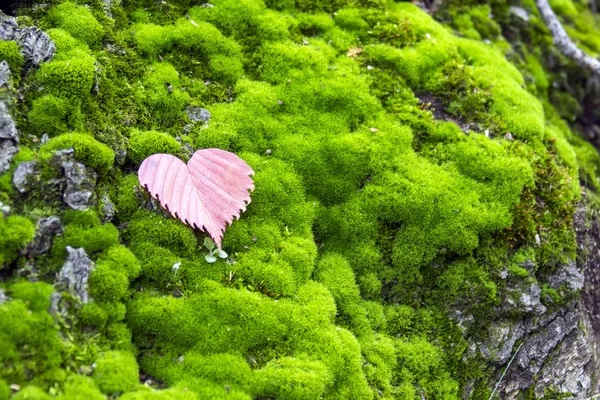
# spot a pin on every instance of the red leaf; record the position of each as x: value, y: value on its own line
x: 206, y: 194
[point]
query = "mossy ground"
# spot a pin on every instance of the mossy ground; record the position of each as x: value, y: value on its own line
x: 372, y: 217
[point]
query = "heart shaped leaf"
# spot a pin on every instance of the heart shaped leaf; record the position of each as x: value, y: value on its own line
x: 206, y: 194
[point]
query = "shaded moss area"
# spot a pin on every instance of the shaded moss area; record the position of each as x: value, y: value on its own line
x: 401, y: 166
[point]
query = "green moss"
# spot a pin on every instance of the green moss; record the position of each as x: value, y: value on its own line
x: 144, y: 144
x: 31, y: 393
x: 116, y: 372
x: 91, y: 314
x: 107, y: 285
x: 218, y: 54
x: 9, y: 52
x: 15, y: 233
x: 122, y: 260
x: 53, y: 115
x: 30, y: 348
x: 126, y: 201
x: 371, y: 218
x: 182, y: 393
x: 72, y: 77
x: 518, y: 272
x: 80, y: 388
x: 78, y: 21
x: 35, y: 295
x: 293, y: 378
x: 564, y: 7
x: 90, y: 235
x: 64, y: 42
x: 5, y: 391
x: 88, y: 150
x: 162, y: 231
x: 162, y: 94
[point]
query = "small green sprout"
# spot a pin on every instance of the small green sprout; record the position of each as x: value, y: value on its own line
x: 212, y: 251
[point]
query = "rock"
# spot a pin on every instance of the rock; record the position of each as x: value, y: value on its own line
x: 196, y: 114
x: 80, y: 181
x: 3, y: 297
x: 502, y: 335
x: 522, y: 298
x: 55, y: 299
x: 4, y: 74
x: 36, y: 45
x: 79, y: 193
x: 75, y: 273
x: 187, y: 129
x: 519, y: 13
x: 108, y: 208
x: 529, y: 266
x: 567, y: 276
x: 47, y: 228
x: 24, y: 175
x: 8, y: 129
x: 7, y: 151
x: 8, y: 27
x: 555, y: 353
x: 107, y: 6
x: 566, y: 369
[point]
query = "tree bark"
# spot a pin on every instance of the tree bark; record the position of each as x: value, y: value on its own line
x: 563, y: 41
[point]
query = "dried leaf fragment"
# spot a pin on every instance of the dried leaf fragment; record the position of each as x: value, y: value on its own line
x: 206, y: 193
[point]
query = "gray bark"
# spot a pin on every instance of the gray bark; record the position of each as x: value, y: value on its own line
x: 563, y: 41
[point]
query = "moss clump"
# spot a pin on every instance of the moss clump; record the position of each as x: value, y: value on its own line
x: 15, y: 233
x: 388, y: 195
x: 9, y: 52
x: 65, y: 43
x: 29, y: 340
x: 5, y: 391
x: 88, y: 150
x: 121, y: 259
x: 80, y: 388
x: 144, y: 144
x: 116, y: 372
x: 162, y: 94
x: 72, y: 77
x: 217, y: 54
x: 54, y: 115
x: 78, y: 21
x: 32, y: 393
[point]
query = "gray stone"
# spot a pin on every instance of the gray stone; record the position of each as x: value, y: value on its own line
x: 80, y: 181
x: 8, y: 129
x: 36, y: 45
x: 75, y: 273
x: 108, y: 208
x: 4, y: 74
x: 3, y: 298
x: 519, y: 13
x: 529, y: 266
x: 567, y: 276
x: 196, y: 114
x: 24, y: 175
x: 47, y: 228
x: 522, y: 298
x: 7, y: 151
x: 79, y: 193
x: 502, y: 336
x: 555, y: 353
x: 55, y: 299
x: 8, y: 27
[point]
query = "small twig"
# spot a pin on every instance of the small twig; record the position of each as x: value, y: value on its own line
x: 563, y: 41
x: 505, y: 369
